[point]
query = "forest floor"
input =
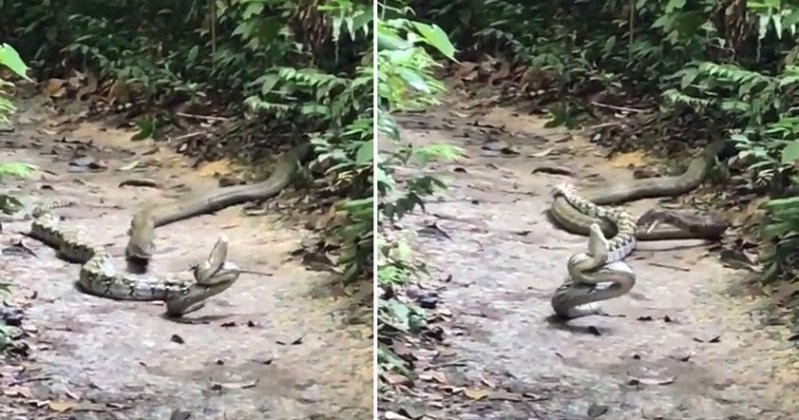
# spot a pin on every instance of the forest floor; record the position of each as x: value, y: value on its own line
x: 689, y: 342
x: 295, y: 344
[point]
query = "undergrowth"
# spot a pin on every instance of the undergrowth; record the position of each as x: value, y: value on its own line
x: 406, y: 82
x: 10, y: 61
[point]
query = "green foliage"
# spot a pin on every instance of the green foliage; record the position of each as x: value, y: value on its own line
x: 17, y: 170
x: 730, y: 62
x: 9, y: 59
x: 405, y: 82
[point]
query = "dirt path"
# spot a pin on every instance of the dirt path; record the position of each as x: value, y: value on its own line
x: 686, y: 348
x: 284, y: 347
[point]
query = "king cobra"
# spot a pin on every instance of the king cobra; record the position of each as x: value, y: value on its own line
x: 140, y: 247
x: 99, y: 277
x: 603, y: 263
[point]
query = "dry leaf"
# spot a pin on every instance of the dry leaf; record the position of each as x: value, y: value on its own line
x: 439, y: 377
x: 129, y: 166
x: 55, y: 88
x: 624, y: 160
x: 651, y: 381
x: 61, y: 406
x: 475, y: 393
x: 89, y: 88
x: 502, y: 73
x: 18, y: 391
x: 233, y: 385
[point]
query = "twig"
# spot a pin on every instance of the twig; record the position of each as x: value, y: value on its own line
x: 189, y: 135
x: 201, y: 117
x: 617, y: 108
x: 606, y: 124
x: 29, y: 380
x: 258, y: 273
x: 141, y: 182
x: 674, y: 267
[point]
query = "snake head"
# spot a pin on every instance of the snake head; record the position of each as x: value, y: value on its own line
x: 562, y: 189
x: 218, y: 253
x: 598, y: 245
x: 142, y: 237
x: 209, y: 270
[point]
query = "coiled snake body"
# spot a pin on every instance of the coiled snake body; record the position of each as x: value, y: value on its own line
x: 99, y: 277
x: 590, y: 272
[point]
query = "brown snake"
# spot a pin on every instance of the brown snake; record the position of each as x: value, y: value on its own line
x: 141, y: 244
x: 573, y: 220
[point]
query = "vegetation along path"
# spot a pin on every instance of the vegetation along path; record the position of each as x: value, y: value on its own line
x: 281, y: 345
x: 688, y: 341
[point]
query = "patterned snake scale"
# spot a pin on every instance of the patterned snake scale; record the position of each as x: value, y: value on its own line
x: 623, y: 243
x: 99, y: 277
x: 589, y: 272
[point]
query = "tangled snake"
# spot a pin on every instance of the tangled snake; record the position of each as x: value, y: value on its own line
x: 98, y: 275
x: 141, y: 244
x: 590, y: 271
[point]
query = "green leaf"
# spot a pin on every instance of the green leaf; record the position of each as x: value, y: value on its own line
x: 146, y: 130
x: 790, y: 153
x: 193, y: 53
x: 11, y: 59
x: 436, y: 37
x: 688, y: 76
x: 365, y: 153
x: 387, y: 40
x: 18, y: 170
x: 414, y: 80
x: 773, y: 230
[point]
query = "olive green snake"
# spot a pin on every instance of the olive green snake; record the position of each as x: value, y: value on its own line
x: 600, y: 273
x: 141, y: 245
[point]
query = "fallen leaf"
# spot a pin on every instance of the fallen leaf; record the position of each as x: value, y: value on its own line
x: 55, y: 88
x: 502, y: 395
x: 217, y: 386
x: 61, y: 406
x: 129, y: 166
x: 624, y: 160
x: 651, y: 381
x: 439, y: 377
x: 475, y: 393
x: 18, y: 391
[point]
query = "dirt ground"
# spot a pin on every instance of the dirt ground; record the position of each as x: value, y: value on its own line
x: 687, y: 345
x: 286, y: 346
